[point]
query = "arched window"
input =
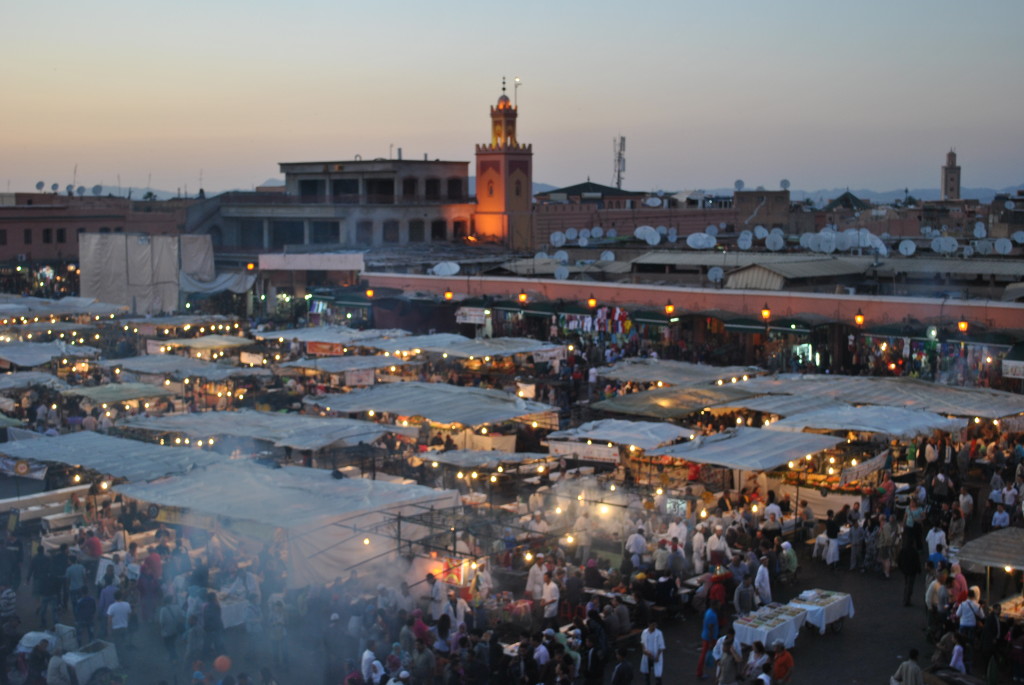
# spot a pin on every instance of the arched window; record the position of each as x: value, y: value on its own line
x: 519, y: 188
x: 490, y: 189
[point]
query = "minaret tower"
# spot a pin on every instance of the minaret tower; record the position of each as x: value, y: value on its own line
x: 951, y: 177
x: 504, y: 181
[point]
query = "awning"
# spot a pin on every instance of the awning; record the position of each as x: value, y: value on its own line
x: 671, y: 403
x: 438, y: 402
x: 209, y: 342
x: 1000, y: 548
x: 20, y: 380
x: 117, y: 392
x: 751, y: 449
x: 781, y: 405
x: 28, y: 354
x: 646, y: 435
x: 479, y: 459
x: 897, y: 422
x: 343, y: 364
x: 130, y: 459
x: 644, y: 370
x: 335, y: 335
x: 177, y: 366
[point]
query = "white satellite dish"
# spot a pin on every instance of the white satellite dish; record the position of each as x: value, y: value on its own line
x: 827, y: 242
x: 760, y: 232
x: 561, y: 256
x: 746, y: 234
x: 541, y: 255
x: 610, y: 233
x: 813, y: 242
x: 596, y: 232
x: 936, y: 245
x: 640, y: 232
x: 1010, y: 204
x: 716, y: 274
x: 1003, y: 246
x: 784, y: 184
x: 584, y: 241
x: 979, y: 230
x: 446, y: 268
x: 968, y: 251
x: 926, y: 230
x: 672, y: 230
x: 722, y: 225
x: 571, y: 233
x: 979, y: 224
x: 777, y: 231
x: 585, y: 233
x: 672, y: 237
x: 1018, y: 237
x: 842, y: 241
x: 662, y: 230
x: 694, y: 241
x: 97, y: 190
x: 745, y: 241
x: 774, y: 242
x: 607, y: 256
x: 652, y: 237
x: 908, y: 248
x: 653, y: 202
x: 803, y: 239
x: 738, y: 185
x: 711, y: 230
x: 561, y: 272
x: 983, y: 247
x: 40, y: 185
x: 557, y: 239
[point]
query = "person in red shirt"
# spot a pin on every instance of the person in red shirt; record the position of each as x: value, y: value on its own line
x: 154, y: 564
x: 782, y: 663
x: 92, y: 545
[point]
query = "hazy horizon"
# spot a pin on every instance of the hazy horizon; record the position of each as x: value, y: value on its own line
x: 870, y: 95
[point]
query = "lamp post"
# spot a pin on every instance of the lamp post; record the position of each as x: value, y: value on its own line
x: 766, y: 317
x: 669, y: 308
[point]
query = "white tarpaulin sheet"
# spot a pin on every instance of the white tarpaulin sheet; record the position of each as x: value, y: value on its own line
x: 20, y: 380
x: 438, y: 402
x: 781, y: 405
x: 236, y: 281
x: 28, y: 354
x: 209, y: 342
x: 477, y: 459
x: 130, y: 459
x: 893, y: 392
x: 673, y: 372
x: 118, y: 392
x: 339, y: 335
x: 178, y: 367
x: 343, y: 364
x: 892, y: 421
x: 466, y: 348
x: 751, y: 449
x: 19, y: 305
x: 646, y: 435
x: 282, y: 430
x: 325, y: 521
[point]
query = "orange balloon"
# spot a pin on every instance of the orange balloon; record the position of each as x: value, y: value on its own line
x: 222, y: 663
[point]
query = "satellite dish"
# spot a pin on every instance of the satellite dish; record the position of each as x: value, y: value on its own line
x: 936, y: 245
x: 760, y: 232
x: 738, y: 185
x: 561, y: 272
x: 610, y: 233
x: 584, y: 241
x: 979, y: 224
x: 585, y: 233
x: 952, y: 245
x: 607, y: 256
x: 1003, y: 246
x: 784, y: 184
x: 776, y: 231
x: 541, y: 255
x: 445, y: 268
x: 596, y: 232
x: 745, y: 242
x: 979, y: 230
x: 653, y: 202
x: 652, y: 237
x: 672, y: 230
x: 694, y: 241
x: 660, y: 193
x: 813, y: 242
x: 983, y: 247
x: 662, y: 230
x: 640, y: 232
x: 968, y: 251
x: 1018, y: 237
x: 561, y: 256
x: 97, y: 190
x: 709, y: 241
x: 804, y: 238
x: 722, y: 224
x: 55, y: 187
x: 842, y: 241
x: 557, y: 239
x: 774, y: 242
x: 826, y: 242
x: 1010, y: 204
x: 40, y: 185
x: 926, y: 230
x: 672, y: 237
x: 908, y: 248
x: 80, y: 191
x: 70, y: 188
x: 716, y: 274
x: 711, y: 230
x: 571, y: 233
x: 745, y: 234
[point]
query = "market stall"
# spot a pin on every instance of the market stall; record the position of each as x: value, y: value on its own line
x: 29, y: 355
x: 672, y: 402
x: 825, y: 608
x: 1000, y: 549
x: 347, y: 371
x: 668, y: 372
x: 770, y: 623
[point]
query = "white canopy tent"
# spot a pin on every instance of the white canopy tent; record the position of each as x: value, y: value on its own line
x: 438, y: 402
x: 21, y: 380
x: 117, y: 392
x: 673, y: 372
x: 281, y: 430
x: 178, y: 367
x: 461, y: 347
x: 751, y: 449
x: 210, y: 342
x: 334, y: 335
x: 481, y: 459
x: 130, y: 459
x: 19, y: 306
x: 647, y: 435
x: 329, y: 525
x: 29, y: 354
x: 897, y: 422
x: 781, y: 405
x: 343, y: 364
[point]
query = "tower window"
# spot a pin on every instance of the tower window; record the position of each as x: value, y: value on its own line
x: 519, y: 188
x: 490, y: 189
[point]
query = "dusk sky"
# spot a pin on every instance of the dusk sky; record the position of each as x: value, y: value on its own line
x: 867, y: 94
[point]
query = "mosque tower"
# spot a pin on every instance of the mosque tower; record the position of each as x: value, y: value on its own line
x: 951, y: 178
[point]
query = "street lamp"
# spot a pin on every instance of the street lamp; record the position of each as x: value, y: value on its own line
x: 369, y: 292
x: 766, y: 316
x: 448, y: 294
x: 523, y: 297
x: 592, y: 301
x: 669, y: 308
x: 962, y: 325
x: 858, y: 318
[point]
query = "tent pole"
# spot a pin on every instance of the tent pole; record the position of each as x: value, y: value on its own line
x: 988, y: 585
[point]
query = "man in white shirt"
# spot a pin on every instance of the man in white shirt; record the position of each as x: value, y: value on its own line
x: 437, y: 594
x: 636, y: 546
x: 698, y: 544
x: 583, y: 533
x: 117, y: 620
x: 773, y: 508
x: 676, y: 529
x: 367, y: 659
x: 966, y: 504
x: 936, y: 536
x: 762, y: 582
x: 652, y: 641
x: 717, y: 548
x: 535, y: 578
x: 537, y: 526
x: 1009, y: 496
x: 549, y: 600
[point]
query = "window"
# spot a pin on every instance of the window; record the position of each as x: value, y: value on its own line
x: 433, y: 189
x: 490, y: 189
x: 27, y: 236
x: 3, y: 236
x: 519, y: 188
x: 364, y: 233
x: 409, y: 188
x: 62, y: 235
x: 47, y: 235
x: 455, y: 189
x: 417, y: 232
x: 391, y: 231
x: 438, y: 230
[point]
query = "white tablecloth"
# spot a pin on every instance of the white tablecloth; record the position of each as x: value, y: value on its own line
x: 821, y: 542
x: 84, y: 664
x: 232, y: 612
x: 788, y: 622
x: 831, y: 607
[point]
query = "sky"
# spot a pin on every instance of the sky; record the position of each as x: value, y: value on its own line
x: 868, y: 94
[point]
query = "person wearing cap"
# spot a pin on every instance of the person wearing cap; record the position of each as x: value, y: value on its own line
x: 652, y: 641
x: 550, y: 596
x: 401, y: 678
x: 717, y: 548
x: 636, y: 546
x: 763, y: 583
x: 698, y: 545
x: 437, y: 597
x: 535, y: 577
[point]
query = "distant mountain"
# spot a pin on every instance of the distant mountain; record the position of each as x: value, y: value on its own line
x: 822, y: 196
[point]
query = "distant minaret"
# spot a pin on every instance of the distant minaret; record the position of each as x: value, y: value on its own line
x: 951, y: 178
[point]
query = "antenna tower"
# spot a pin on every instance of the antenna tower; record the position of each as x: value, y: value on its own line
x: 619, y: 149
